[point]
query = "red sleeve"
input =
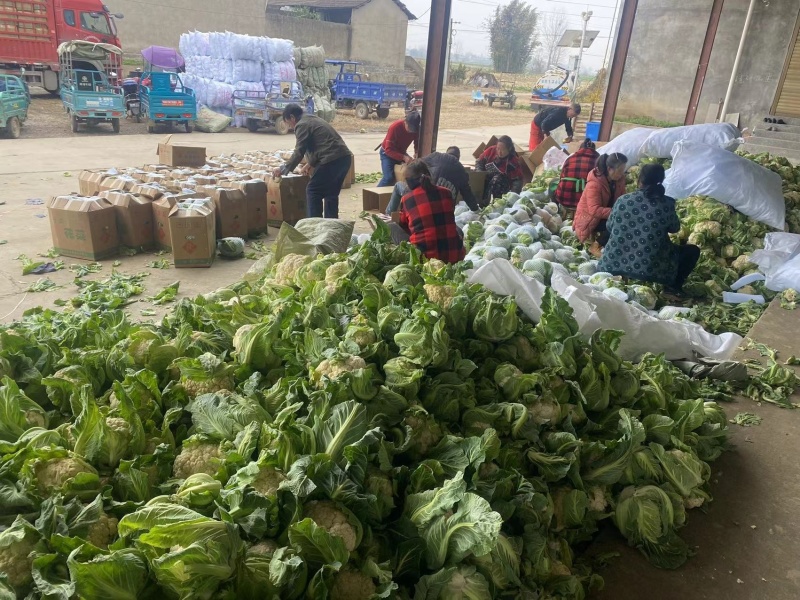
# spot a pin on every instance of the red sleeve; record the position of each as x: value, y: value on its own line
x: 404, y: 221
x: 514, y: 168
x: 592, y: 197
x: 488, y: 154
x: 392, y: 146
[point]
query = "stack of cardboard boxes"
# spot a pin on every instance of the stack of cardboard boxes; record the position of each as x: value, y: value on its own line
x: 181, y: 205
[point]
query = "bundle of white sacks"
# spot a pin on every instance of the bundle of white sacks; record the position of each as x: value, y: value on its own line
x: 218, y: 64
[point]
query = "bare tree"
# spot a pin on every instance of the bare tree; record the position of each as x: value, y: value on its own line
x: 552, y: 27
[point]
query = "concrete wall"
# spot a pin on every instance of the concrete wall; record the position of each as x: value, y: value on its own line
x: 379, y: 31
x: 379, y: 27
x: 151, y: 24
x: 334, y: 37
x: 665, y: 48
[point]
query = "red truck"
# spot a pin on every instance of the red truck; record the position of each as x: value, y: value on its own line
x: 31, y: 31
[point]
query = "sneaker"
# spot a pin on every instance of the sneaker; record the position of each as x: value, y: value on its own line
x: 781, y: 122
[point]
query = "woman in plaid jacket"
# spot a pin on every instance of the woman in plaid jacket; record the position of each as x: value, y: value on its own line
x: 574, y: 173
x: 427, y: 214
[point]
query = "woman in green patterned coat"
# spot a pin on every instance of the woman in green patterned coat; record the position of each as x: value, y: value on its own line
x: 639, y: 246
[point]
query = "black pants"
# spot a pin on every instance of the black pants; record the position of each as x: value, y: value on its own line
x: 602, y: 234
x: 688, y: 256
x: 325, y: 185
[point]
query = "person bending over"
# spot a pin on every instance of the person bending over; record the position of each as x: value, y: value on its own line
x: 394, y: 148
x: 326, y: 153
x: 426, y: 213
x: 574, y: 172
x: 604, y: 185
x: 446, y: 171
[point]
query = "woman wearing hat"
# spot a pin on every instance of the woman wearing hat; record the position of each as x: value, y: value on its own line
x: 394, y: 149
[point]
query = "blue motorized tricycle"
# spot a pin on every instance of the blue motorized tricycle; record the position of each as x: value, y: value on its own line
x: 89, y: 83
x: 165, y: 100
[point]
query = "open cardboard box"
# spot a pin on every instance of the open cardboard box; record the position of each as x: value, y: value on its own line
x: 376, y: 198
x: 180, y: 156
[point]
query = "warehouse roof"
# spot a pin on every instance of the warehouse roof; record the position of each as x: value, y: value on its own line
x: 340, y: 4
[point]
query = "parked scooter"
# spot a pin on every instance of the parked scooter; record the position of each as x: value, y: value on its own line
x: 133, y: 104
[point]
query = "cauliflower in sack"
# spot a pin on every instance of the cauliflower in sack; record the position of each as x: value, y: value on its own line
x: 331, y: 518
x: 103, y: 531
x: 286, y: 270
x: 352, y: 585
x: 336, y: 367
x: 202, y: 457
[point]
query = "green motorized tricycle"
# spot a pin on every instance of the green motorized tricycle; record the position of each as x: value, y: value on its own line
x: 14, y: 101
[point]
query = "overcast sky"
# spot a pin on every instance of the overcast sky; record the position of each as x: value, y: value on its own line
x: 471, y: 37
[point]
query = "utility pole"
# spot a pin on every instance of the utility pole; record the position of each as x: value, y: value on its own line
x: 585, y: 16
x: 449, y: 50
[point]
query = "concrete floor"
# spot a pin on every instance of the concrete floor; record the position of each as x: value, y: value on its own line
x: 756, y: 484
x: 748, y: 541
x: 42, y: 168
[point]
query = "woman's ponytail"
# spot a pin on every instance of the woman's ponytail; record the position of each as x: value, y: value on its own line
x: 606, y: 162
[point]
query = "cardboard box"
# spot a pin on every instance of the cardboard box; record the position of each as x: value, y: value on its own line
x: 192, y: 227
x: 286, y: 199
x: 134, y: 219
x: 477, y: 182
x: 161, y: 209
x: 255, y: 194
x: 83, y: 227
x: 532, y: 160
x: 400, y: 172
x: 122, y: 183
x: 181, y: 156
x: 231, y: 210
x: 149, y: 191
x: 480, y: 149
x: 89, y: 182
x: 351, y: 176
x: 377, y: 198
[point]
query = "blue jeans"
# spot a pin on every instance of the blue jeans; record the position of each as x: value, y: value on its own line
x: 325, y: 185
x: 387, y: 167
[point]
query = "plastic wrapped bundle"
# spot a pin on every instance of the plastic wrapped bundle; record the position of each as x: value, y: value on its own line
x: 220, y: 95
x: 209, y: 121
x: 245, y: 47
x: 267, y: 77
x: 220, y: 45
x: 246, y: 70
x: 284, y: 50
x: 284, y: 71
x: 267, y: 49
x: 298, y: 57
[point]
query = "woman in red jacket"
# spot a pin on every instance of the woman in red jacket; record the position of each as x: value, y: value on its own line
x: 426, y: 213
x: 574, y: 173
x: 394, y: 148
x: 604, y: 185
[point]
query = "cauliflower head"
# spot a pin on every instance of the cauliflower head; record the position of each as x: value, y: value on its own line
x: 264, y: 547
x: 336, y: 367
x: 335, y: 275
x: 425, y: 434
x: 331, y: 518
x: 352, y: 585
x: 102, y: 532
x: 203, y: 457
x: 268, y: 481
x: 440, y: 294
x: 16, y: 545
x: 54, y: 473
x: 286, y: 270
